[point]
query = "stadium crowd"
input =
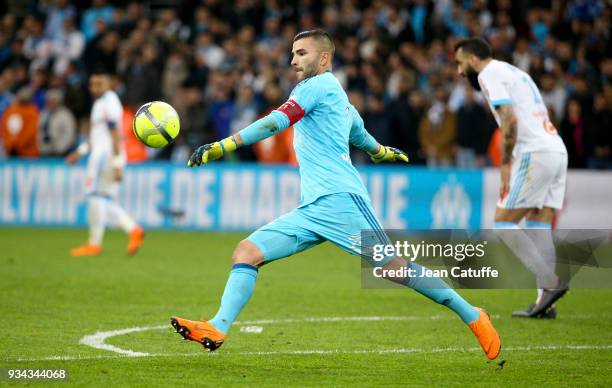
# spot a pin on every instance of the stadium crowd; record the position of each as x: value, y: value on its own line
x: 222, y: 64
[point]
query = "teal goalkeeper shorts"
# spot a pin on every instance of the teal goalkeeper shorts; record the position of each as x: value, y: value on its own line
x: 340, y: 218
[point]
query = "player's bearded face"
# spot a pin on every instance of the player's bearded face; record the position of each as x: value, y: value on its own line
x: 466, y: 69
x: 310, y: 68
x: 472, y: 77
x: 306, y: 58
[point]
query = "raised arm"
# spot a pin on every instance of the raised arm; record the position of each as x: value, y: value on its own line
x: 302, y: 101
x: 261, y: 129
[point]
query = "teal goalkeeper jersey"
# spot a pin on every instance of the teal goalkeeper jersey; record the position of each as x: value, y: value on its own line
x: 323, y: 119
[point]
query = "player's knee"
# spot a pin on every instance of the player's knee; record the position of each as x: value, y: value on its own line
x: 247, y: 253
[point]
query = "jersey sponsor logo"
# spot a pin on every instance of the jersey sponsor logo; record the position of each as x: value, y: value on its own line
x: 293, y: 110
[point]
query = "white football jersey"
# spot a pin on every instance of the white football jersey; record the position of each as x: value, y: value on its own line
x: 503, y: 83
x: 107, y: 113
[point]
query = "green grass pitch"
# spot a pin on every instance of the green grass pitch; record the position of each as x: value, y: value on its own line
x: 50, y: 301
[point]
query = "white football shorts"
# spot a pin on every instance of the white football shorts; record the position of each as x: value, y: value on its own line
x: 537, y: 180
x: 99, y: 178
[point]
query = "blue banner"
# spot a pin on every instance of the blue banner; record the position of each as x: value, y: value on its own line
x: 232, y: 196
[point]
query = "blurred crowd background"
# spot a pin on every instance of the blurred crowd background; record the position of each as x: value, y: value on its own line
x: 222, y: 64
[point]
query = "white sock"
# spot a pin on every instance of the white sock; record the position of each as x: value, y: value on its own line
x: 120, y: 216
x: 541, y: 234
x: 539, y: 295
x: 97, y: 220
x: 528, y: 252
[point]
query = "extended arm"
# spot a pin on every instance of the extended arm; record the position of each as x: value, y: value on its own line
x: 259, y: 130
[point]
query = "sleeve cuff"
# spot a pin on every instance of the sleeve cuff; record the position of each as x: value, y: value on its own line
x: 503, y: 101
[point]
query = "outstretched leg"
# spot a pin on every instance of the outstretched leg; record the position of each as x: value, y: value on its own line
x: 240, y: 284
x: 281, y: 238
x: 238, y: 290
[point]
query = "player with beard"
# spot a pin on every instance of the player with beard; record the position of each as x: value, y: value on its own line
x: 533, y: 170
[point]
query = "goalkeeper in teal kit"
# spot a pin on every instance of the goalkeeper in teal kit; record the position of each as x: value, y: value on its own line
x: 334, y: 204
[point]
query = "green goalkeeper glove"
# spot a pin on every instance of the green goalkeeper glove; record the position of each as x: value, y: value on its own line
x: 213, y: 151
x: 389, y: 154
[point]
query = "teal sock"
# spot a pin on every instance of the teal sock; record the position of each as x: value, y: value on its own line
x: 438, y: 291
x: 238, y: 290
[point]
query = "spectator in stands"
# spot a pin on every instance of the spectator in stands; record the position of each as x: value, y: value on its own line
x: 101, y: 52
x: 195, y: 124
x: 473, y: 132
x: 143, y: 77
x: 573, y: 132
x: 69, y: 48
x: 6, y: 97
x: 38, y: 87
x: 57, y: 14
x: 175, y: 73
x: 376, y: 119
x: 397, y: 51
x: 437, y: 132
x: 405, y: 115
x: 57, y: 126
x: 245, y: 109
x: 600, y: 133
x: 99, y: 11
x: 36, y: 47
x: 5, y: 46
x: 554, y: 96
x: 19, y: 126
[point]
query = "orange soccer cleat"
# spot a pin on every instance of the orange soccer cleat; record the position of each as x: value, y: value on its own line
x: 199, y: 331
x: 86, y: 250
x: 486, y: 334
x: 136, y: 240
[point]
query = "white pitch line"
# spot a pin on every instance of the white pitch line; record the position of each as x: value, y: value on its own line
x: 98, y: 339
x: 323, y: 352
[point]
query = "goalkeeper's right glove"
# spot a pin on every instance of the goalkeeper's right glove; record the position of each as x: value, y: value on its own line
x: 389, y: 154
x: 213, y: 151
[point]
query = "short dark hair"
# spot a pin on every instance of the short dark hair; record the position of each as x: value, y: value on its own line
x: 100, y: 70
x: 475, y: 46
x: 321, y: 36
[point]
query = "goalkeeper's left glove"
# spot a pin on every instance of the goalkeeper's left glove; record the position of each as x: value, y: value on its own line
x: 213, y: 151
x: 389, y: 154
